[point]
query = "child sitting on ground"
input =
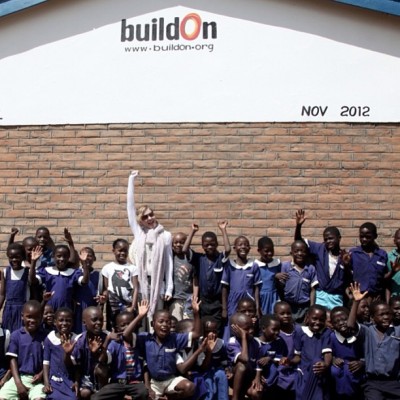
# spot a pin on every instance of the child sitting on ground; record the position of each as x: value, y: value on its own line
x: 160, y: 349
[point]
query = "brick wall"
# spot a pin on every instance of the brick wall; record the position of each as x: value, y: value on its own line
x: 254, y: 175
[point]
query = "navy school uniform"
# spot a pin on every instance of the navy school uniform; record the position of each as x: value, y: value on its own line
x: 61, y: 283
x: 346, y: 384
x: 269, y: 292
x: 335, y: 284
x: 16, y: 295
x: 241, y: 281
x: 209, y: 275
x: 234, y: 349
x: 28, y: 350
x: 369, y: 271
x: 84, y: 298
x: 297, y: 288
x: 288, y: 376
x: 275, y: 350
x: 86, y: 361
x: 161, y: 358
x: 382, y: 362
x: 126, y: 373
x: 311, y: 347
x: 215, y: 378
x: 60, y: 378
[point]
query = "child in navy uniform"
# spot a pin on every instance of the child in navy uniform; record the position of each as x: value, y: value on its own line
x: 313, y: 354
x: 347, y: 369
x: 299, y: 287
x: 270, y: 271
x: 240, y: 280
x: 242, y: 353
x: 382, y: 349
x: 331, y: 273
x: 208, y: 273
x: 288, y: 374
x: 90, y: 352
x: 160, y: 351
x: 89, y: 295
x: 58, y: 376
x: 369, y: 263
x: 272, y: 354
x: 61, y: 278
x: 15, y: 287
x: 126, y: 369
x: 26, y: 357
x: 214, y: 361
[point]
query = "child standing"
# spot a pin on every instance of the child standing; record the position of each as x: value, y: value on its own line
x: 26, y: 357
x: 299, y: 289
x: 270, y: 273
x: 393, y: 258
x: 331, y: 274
x: 394, y: 304
x: 57, y: 375
x: 382, y: 348
x: 48, y: 319
x: 182, y: 276
x: 240, y: 280
x: 313, y: 353
x: 14, y: 287
x: 89, y: 295
x: 347, y: 369
x: 208, y: 273
x: 120, y: 282
x: 60, y: 279
x: 369, y: 262
x: 160, y: 349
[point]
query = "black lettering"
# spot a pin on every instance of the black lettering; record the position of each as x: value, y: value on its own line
x: 139, y: 36
x: 173, y: 30
x: 306, y: 110
x: 213, y: 26
x: 127, y: 31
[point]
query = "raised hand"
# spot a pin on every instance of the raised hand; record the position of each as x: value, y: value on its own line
x: 134, y: 173
x: 68, y: 236
x: 195, y: 305
x: 67, y: 344
x: 345, y: 257
x: 195, y: 227
x: 143, y: 308
x: 300, y: 217
x: 47, y: 296
x: 36, y: 253
x: 222, y: 224
x: 14, y: 231
x: 95, y: 344
x: 395, y: 265
x: 356, y: 292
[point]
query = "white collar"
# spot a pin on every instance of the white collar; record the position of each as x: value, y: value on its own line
x: 308, y: 331
x: 248, y: 265
x: 54, y: 339
x: 54, y: 271
x: 343, y: 339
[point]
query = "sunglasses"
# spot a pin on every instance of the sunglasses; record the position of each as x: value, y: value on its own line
x: 147, y: 216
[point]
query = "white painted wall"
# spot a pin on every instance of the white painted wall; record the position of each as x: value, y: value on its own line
x: 64, y: 62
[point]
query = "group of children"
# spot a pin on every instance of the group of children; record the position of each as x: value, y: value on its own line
x: 324, y: 325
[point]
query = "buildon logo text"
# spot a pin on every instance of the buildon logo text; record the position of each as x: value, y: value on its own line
x: 189, y: 27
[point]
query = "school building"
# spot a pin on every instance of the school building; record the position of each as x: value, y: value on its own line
x: 244, y: 110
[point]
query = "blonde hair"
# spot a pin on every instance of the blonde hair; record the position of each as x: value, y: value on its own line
x: 140, y: 212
